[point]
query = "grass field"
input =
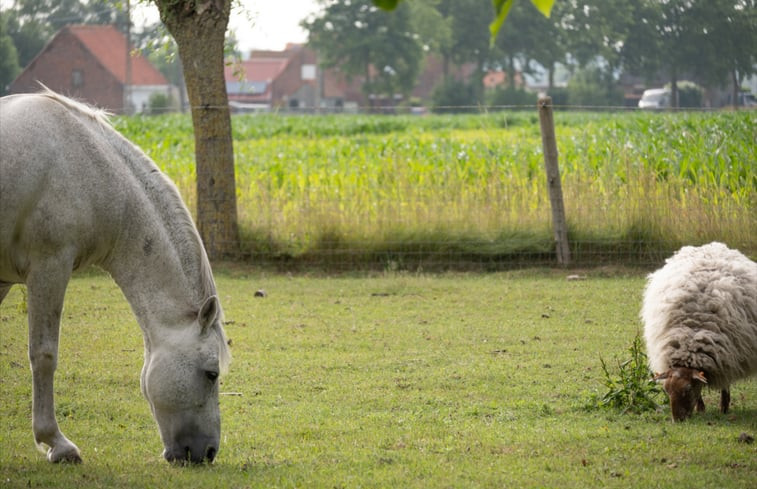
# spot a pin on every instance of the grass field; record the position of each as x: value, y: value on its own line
x: 383, y: 380
x: 417, y: 192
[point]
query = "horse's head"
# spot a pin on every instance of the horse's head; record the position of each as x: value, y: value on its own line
x: 180, y: 380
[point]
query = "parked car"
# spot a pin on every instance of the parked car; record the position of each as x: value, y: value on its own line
x: 655, y: 98
x: 746, y: 99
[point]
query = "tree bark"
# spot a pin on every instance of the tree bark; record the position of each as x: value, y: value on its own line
x: 199, y: 28
x: 511, y: 71
x: 674, y: 88
x: 735, y: 86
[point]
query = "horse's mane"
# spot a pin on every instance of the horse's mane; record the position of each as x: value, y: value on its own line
x: 98, y: 115
x: 175, y: 217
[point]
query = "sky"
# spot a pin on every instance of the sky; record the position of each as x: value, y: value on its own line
x: 257, y: 24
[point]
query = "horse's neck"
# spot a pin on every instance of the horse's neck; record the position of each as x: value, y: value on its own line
x: 159, y: 262
x: 157, y: 286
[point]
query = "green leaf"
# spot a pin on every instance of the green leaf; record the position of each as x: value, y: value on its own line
x: 501, y: 9
x: 544, y: 6
x: 386, y: 4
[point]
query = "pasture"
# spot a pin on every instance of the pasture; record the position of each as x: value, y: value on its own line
x: 378, y: 380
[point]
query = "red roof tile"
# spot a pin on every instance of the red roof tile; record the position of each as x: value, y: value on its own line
x: 108, y: 45
x: 256, y: 69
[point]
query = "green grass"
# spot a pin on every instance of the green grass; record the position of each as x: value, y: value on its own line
x: 382, y: 380
x: 424, y: 191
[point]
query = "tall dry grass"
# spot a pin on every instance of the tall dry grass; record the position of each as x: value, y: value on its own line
x: 636, y: 185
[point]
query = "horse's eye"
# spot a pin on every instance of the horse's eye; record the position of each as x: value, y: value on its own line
x: 211, y: 375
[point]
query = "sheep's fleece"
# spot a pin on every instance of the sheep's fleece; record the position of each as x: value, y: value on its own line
x: 700, y: 311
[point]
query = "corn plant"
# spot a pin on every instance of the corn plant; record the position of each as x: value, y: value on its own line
x: 635, y: 185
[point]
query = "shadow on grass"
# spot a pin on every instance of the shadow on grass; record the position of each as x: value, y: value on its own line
x: 433, y: 251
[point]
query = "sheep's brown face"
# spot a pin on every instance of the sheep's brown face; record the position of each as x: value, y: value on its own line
x: 684, y: 387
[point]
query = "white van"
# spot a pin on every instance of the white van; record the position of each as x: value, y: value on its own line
x: 745, y: 99
x: 655, y: 98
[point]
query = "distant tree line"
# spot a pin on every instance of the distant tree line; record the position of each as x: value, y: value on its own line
x: 709, y: 41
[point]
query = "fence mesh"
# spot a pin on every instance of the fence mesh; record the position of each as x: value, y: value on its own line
x: 469, y: 191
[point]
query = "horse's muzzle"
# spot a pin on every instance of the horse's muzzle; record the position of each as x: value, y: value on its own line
x: 194, y: 455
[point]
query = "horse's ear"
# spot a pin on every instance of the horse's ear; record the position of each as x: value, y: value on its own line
x: 208, y: 313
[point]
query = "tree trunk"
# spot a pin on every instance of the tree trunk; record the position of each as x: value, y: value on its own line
x: 735, y: 89
x: 368, y: 86
x: 199, y: 31
x: 511, y: 71
x: 674, y: 88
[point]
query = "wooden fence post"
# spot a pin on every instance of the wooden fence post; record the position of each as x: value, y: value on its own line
x: 549, y: 146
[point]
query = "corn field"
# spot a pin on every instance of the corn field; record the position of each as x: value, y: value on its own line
x: 470, y: 190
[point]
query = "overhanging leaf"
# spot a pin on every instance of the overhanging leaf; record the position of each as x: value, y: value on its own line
x: 501, y: 9
x: 544, y: 6
x: 386, y: 4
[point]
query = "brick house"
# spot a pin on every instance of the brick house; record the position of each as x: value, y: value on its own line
x: 287, y: 80
x: 89, y: 63
x: 250, y: 83
x: 291, y: 80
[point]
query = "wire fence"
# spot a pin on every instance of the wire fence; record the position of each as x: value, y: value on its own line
x: 469, y: 192
x: 418, y: 110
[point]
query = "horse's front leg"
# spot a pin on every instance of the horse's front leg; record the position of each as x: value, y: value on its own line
x: 46, y: 284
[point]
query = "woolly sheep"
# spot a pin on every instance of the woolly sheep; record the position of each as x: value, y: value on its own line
x: 700, y: 324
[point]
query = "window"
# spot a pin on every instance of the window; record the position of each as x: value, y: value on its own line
x: 308, y: 72
x: 77, y: 78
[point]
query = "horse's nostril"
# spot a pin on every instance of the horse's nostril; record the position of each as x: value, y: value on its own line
x: 179, y: 457
x: 211, y: 453
x: 186, y: 455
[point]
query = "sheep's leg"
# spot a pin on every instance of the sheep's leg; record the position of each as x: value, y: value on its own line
x: 700, y: 404
x: 725, y: 400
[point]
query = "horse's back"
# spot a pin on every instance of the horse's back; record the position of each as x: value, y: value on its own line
x: 59, y: 189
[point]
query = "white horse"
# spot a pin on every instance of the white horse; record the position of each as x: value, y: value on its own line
x: 74, y: 193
